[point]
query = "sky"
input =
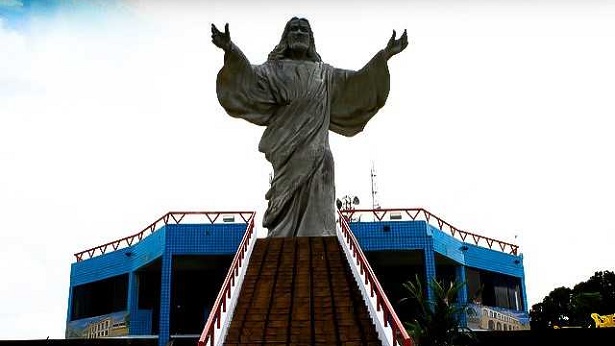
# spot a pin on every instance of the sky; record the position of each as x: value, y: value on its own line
x: 499, y: 120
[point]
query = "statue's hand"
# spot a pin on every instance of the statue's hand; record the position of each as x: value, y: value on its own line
x: 221, y: 39
x: 396, y: 46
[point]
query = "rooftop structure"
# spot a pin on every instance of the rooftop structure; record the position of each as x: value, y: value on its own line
x: 148, y: 283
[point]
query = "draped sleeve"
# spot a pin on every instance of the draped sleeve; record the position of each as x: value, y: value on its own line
x: 243, y: 89
x: 358, y: 95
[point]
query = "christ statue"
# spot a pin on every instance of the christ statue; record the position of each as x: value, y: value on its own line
x: 298, y: 99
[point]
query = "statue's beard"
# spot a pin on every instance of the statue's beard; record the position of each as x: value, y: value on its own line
x: 299, y: 46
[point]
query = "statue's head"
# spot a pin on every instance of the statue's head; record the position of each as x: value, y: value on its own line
x: 297, y: 40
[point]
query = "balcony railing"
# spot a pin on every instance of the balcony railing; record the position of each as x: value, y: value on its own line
x: 415, y: 214
x: 173, y: 217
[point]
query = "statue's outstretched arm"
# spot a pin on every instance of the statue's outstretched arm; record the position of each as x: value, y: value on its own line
x: 223, y: 41
x: 396, y: 46
x: 393, y: 47
x: 358, y: 95
x: 237, y: 85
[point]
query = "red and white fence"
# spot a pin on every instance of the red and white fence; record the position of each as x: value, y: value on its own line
x: 390, y: 329
x: 224, y: 306
x: 172, y: 217
x: 415, y: 214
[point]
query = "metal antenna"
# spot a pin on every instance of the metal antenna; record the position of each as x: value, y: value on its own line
x: 375, y: 204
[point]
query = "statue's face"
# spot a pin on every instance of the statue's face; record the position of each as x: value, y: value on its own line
x: 299, y: 35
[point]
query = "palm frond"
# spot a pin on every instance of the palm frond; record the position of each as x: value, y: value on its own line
x: 437, y: 322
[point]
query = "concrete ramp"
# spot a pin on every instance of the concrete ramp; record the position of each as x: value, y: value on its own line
x: 300, y: 291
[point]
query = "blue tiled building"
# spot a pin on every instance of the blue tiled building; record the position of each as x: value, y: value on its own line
x: 161, y: 282
x: 398, y: 250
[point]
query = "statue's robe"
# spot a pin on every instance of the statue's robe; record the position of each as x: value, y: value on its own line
x: 299, y: 102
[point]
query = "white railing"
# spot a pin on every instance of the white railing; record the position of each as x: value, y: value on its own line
x: 390, y: 329
x: 221, y: 314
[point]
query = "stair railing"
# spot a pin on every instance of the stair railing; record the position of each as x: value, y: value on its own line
x: 388, y: 325
x: 221, y: 313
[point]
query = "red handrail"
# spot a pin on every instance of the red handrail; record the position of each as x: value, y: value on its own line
x: 220, y: 304
x: 400, y: 335
x: 173, y: 216
x: 442, y: 225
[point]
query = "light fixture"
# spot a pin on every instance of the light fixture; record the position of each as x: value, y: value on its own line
x: 347, y: 202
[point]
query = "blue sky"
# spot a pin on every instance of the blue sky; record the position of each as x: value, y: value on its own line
x: 499, y: 120
x: 20, y: 14
x: 16, y: 13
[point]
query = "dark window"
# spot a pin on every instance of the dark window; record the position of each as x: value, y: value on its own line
x: 100, y: 297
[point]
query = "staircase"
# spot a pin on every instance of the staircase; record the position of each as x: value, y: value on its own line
x: 300, y: 291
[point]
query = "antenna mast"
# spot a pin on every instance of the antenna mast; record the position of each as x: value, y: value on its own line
x: 375, y: 204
